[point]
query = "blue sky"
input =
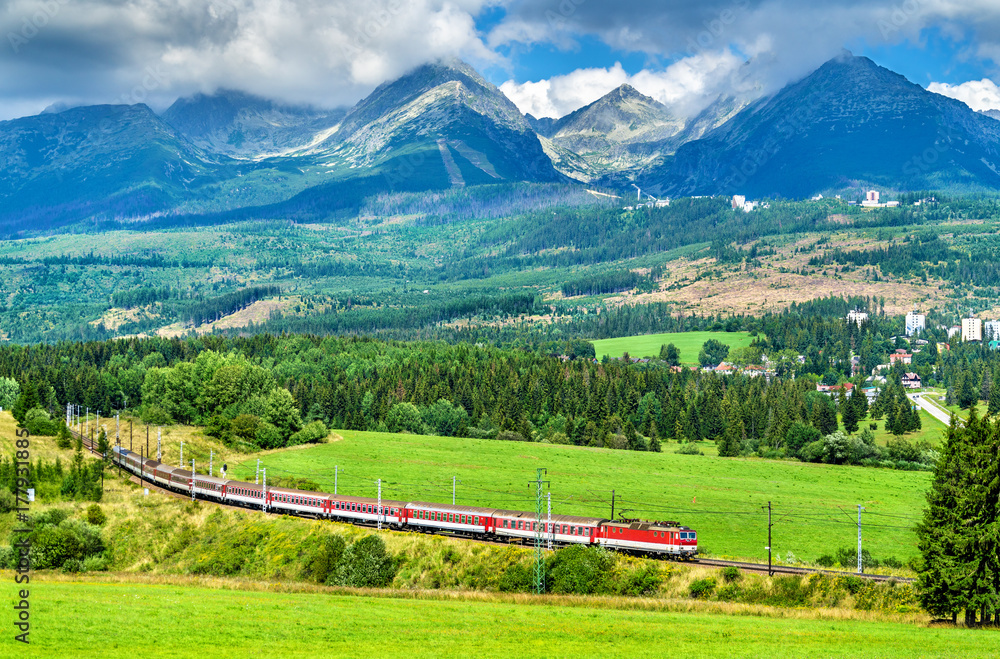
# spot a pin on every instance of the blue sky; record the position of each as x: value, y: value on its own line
x: 549, y: 56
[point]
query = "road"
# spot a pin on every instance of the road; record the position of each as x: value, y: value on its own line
x: 939, y: 413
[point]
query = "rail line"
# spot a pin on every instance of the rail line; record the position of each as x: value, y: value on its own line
x: 757, y: 568
x: 789, y: 569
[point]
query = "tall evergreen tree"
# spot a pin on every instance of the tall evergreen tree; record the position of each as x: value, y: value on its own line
x: 958, y: 536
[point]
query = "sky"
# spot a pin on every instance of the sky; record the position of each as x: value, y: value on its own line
x: 549, y: 56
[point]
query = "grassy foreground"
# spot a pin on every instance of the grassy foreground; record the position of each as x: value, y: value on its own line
x: 815, y: 505
x: 88, y: 619
x: 688, y: 344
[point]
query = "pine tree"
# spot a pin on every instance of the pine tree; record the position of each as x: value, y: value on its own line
x: 850, y: 415
x: 993, y: 406
x: 654, y: 438
x: 957, y: 536
x: 102, y: 444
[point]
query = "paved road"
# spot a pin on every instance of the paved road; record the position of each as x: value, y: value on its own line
x: 939, y: 413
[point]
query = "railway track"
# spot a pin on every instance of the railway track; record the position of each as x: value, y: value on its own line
x: 743, y: 566
x: 788, y: 569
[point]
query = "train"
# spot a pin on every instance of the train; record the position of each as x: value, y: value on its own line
x: 632, y: 536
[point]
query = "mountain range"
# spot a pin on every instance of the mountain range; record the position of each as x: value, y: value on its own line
x: 848, y: 125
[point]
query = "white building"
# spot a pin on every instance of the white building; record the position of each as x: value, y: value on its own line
x: 972, y: 329
x: 991, y: 330
x: 857, y: 317
x: 915, y: 322
x: 871, y: 199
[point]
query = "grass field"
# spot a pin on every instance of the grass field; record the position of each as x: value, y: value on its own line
x: 88, y: 619
x: 688, y: 343
x: 814, y: 505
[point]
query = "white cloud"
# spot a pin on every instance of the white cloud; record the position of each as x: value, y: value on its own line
x: 317, y: 51
x: 977, y: 94
x: 685, y: 86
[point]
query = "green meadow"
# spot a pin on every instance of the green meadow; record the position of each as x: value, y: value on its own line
x: 688, y: 344
x: 88, y: 619
x: 814, y: 505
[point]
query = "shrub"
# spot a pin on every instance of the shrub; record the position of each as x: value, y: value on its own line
x: 53, y: 545
x: 268, y: 436
x: 95, y: 564
x: 95, y: 515
x: 730, y: 592
x: 518, y: 578
x: 72, y: 566
x: 580, y: 570
x: 324, y: 562
x: 702, y: 588
x: 689, y: 448
x: 853, y: 585
x: 731, y: 574
x: 155, y: 415
x: 405, y: 417
x: 511, y: 436
x: 7, y: 500
x: 644, y: 581
x: 825, y: 561
x: 848, y: 556
x: 314, y: 431
x: 366, y: 564
x: 38, y: 422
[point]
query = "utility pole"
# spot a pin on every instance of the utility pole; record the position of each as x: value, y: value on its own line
x: 256, y: 478
x: 117, y: 428
x: 861, y: 567
x: 159, y: 450
x: 548, y: 495
x: 453, y: 488
x: 182, y: 454
x: 612, y: 505
x: 770, y: 571
x: 192, y: 479
x: 336, y: 472
x: 539, y: 559
x: 211, y: 456
x: 130, y: 434
x: 263, y: 491
x: 379, y: 517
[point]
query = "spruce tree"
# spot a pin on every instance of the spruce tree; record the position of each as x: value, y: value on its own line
x: 654, y: 438
x: 849, y: 415
x: 957, y: 537
x: 993, y: 406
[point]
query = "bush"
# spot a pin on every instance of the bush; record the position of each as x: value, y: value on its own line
x: 518, y: 578
x: 825, y: 561
x: 7, y: 500
x: 580, y: 570
x: 731, y: 574
x: 689, y: 448
x: 405, y: 417
x: 95, y: 515
x: 155, y: 415
x: 324, y: 563
x: 53, y: 545
x: 366, y: 564
x: 702, y: 588
x: 72, y: 566
x: 95, y: 564
x: 312, y: 432
x: 848, y: 557
x: 38, y: 422
x: 268, y: 436
x: 511, y: 436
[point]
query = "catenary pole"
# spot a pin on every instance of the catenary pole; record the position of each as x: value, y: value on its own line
x: 861, y: 567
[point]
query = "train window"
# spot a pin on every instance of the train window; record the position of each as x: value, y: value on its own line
x: 476, y: 520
